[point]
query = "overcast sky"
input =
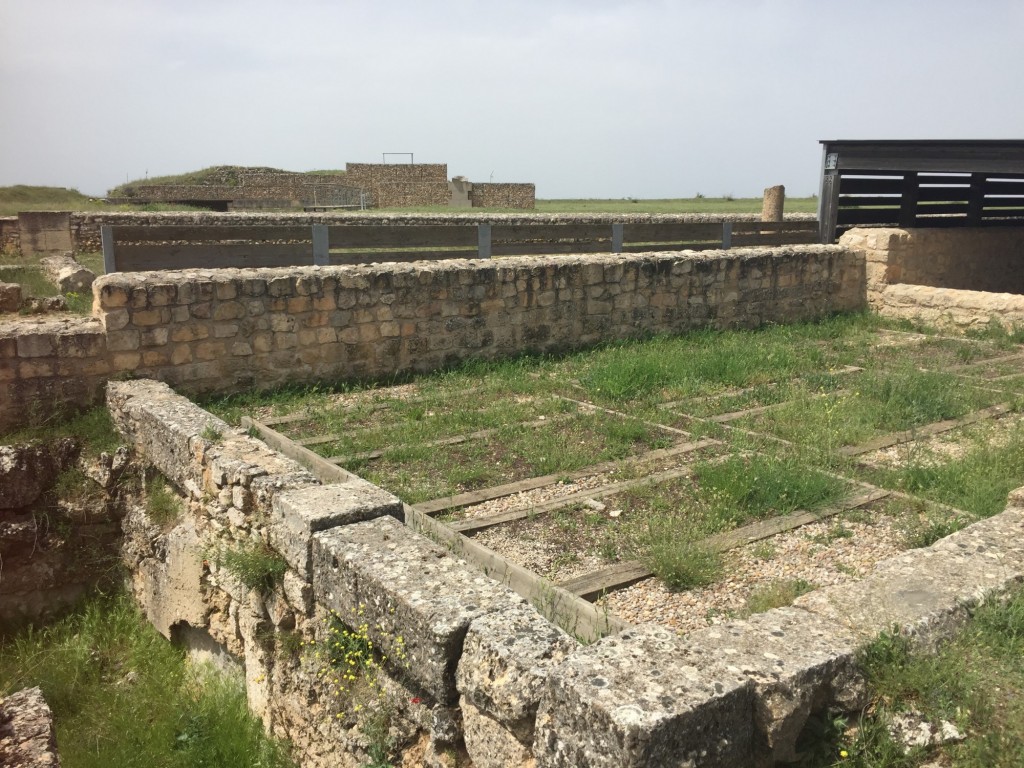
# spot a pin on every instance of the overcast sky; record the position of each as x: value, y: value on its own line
x: 585, y: 98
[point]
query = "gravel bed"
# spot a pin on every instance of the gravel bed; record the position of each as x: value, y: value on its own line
x: 812, y: 553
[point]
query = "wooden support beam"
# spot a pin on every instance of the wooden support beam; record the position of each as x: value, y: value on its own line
x: 928, y: 430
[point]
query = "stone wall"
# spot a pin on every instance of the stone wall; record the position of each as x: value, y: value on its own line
x: 960, y: 277
x: 952, y: 309
x: 401, y: 185
x: 222, y: 330
x: 54, y: 547
x: 85, y: 227
x: 503, y: 196
x: 471, y: 665
x: 10, y: 234
x: 970, y: 259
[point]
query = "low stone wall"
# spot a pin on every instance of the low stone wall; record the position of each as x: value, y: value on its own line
x: 969, y: 259
x: 957, y: 277
x: 222, y: 330
x: 85, y: 227
x: 470, y: 665
x: 948, y: 308
x: 489, y: 195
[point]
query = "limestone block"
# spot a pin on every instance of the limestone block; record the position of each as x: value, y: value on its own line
x: 67, y: 274
x: 799, y: 663
x: 642, y: 698
x: 926, y: 592
x: 170, y: 589
x: 410, y: 588
x: 28, y: 470
x: 489, y: 744
x: 27, y: 735
x: 10, y: 297
x: 298, y: 514
x: 505, y: 663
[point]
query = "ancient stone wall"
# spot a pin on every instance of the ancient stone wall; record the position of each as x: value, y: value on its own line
x: 288, y: 189
x: 401, y: 185
x: 221, y: 330
x: 970, y: 259
x: 55, y: 546
x: 85, y: 227
x: 10, y: 234
x: 959, y: 277
x: 471, y: 665
x: 503, y: 196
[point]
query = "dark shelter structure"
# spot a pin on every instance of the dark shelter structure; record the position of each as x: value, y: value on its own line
x: 940, y: 183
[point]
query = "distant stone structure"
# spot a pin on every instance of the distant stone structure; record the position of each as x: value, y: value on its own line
x: 361, y: 185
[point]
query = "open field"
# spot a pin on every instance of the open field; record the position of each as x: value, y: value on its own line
x: 680, y: 479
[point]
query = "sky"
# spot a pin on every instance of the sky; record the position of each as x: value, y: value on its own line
x: 584, y: 98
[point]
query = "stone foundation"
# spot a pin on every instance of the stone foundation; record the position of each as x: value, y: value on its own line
x: 470, y: 664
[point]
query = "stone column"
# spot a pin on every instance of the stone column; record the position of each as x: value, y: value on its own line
x: 774, y: 200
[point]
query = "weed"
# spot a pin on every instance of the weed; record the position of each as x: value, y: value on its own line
x: 776, y: 595
x: 764, y: 551
x: 254, y: 564
x: 682, y: 564
x: 212, y: 433
x: 162, y: 504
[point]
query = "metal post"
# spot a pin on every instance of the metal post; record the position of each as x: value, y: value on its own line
x: 727, y: 235
x: 321, y: 248
x: 617, y: 237
x: 107, y: 239
x: 483, y: 241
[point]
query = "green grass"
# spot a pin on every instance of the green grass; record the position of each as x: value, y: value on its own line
x: 976, y: 682
x: 254, y: 564
x: 123, y: 696
x: 34, y: 198
x: 724, y: 204
x: 93, y: 428
x: 777, y: 594
x: 666, y: 521
x: 977, y: 481
x: 162, y: 504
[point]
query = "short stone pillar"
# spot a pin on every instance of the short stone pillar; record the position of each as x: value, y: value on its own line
x: 774, y: 201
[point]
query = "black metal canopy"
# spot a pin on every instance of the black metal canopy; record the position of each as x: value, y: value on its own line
x: 920, y: 183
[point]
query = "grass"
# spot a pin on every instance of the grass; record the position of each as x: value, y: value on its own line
x: 975, y: 682
x: 92, y: 428
x: 796, y: 369
x: 254, y: 564
x: 162, y: 504
x: 667, y: 521
x: 976, y: 481
x: 22, y: 197
x: 777, y: 594
x: 123, y: 696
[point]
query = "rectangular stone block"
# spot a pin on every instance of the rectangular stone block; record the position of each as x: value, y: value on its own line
x: 927, y: 592
x: 298, y: 514
x: 641, y: 699
x: 505, y: 662
x: 417, y: 598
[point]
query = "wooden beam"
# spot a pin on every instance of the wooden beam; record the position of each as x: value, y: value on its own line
x: 593, y: 585
x: 935, y: 428
x: 445, y: 503
x: 575, y: 615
